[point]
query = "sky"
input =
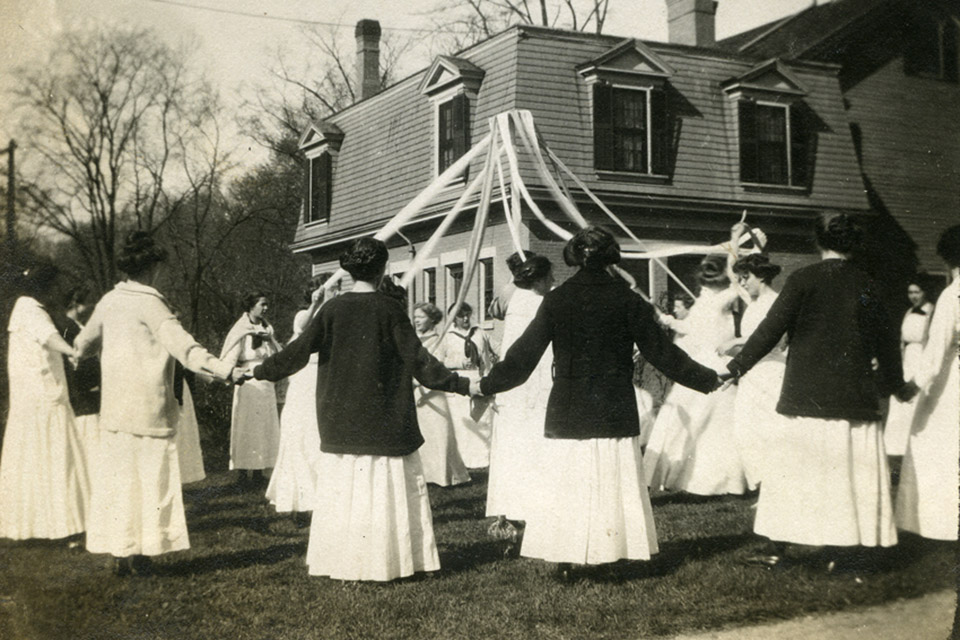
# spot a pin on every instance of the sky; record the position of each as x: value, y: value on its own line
x: 238, y: 51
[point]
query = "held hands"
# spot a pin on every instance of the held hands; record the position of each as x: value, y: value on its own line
x: 240, y: 375
x: 724, y: 381
x: 907, y: 392
x: 475, y: 391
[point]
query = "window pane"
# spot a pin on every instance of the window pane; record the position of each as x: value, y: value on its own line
x: 486, y: 265
x: 772, y: 144
x: 455, y: 275
x: 630, y: 137
x: 430, y: 285
x: 445, y: 135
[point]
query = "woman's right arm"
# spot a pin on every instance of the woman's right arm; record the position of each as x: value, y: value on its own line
x: 522, y: 356
x: 294, y: 356
x: 782, y: 314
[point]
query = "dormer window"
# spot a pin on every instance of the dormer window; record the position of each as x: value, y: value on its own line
x: 320, y: 143
x: 632, y: 128
x: 932, y: 48
x: 451, y: 84
x: 773, y: 132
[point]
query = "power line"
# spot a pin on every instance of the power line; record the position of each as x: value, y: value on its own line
x: 263, y: 16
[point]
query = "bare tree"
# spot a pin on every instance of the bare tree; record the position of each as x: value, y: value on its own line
x: 115, y: 116
x: 474, y: 20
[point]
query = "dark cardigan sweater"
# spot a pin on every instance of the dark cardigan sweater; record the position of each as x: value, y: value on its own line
x: 593, y: 321
x: 368, y: 357
x: 835, y: 324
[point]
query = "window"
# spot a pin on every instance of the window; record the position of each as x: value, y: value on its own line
x: 454, y: 281
x: 487, y: 292
x: 931, y: 50
x: 430, y: 285
x: 630, y: 129
x: 318, y: 183
x: 773, y: 144
x: 453, y: 130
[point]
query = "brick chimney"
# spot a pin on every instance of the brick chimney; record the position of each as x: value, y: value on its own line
x: 692, y: 22
x: 368, y: 57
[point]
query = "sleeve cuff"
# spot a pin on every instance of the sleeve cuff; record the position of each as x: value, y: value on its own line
x: 463, y: 385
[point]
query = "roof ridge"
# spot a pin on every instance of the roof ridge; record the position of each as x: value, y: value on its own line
x: 776, y: 25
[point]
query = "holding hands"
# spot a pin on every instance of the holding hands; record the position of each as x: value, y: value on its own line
x: 475, y: 389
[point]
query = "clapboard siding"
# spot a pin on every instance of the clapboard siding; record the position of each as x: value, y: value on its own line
x: 911, y: 151
x: 387, y: 154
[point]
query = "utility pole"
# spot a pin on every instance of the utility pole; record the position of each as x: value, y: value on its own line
x: 11, y: 199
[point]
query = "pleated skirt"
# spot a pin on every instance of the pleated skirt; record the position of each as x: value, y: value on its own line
x: 137, y: 503
x: 828, y: 484
x: 595, y: 507
x: 372, y: 519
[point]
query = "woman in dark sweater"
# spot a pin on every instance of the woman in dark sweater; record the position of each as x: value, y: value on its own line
x: 594, y: 506
x: 829, y: 484
x: 372, y: 517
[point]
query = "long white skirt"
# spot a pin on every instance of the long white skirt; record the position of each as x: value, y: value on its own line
x: 372, y: 519
x: 692, y: 447
x: 896, y: 431
x: 44, y: 487
x: 293, y: 483
x: 594, y: 507
x: 254, y: 426
x: 473, y: 436
x: 516, y: 458
x: 442, y: 464
x: 187, y: 438
x: 927, y: 498
x: 137, y: 504
x: 756, y: 423
x: 827, y: 484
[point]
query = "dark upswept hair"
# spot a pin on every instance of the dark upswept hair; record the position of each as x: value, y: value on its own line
x: 948, y: 247
x: 465, y: 309
x: 250, y: 299
x: 365, y: 258
x: 682, y: 297
x: 139, y: 253
x: 37, y: 279
x: 431, y: 311
x: 838, y: 232
x: 592, y: 248
x: 393, y: 290
x: 759, y: 265
x: 315, y: 283
x: 531, y: 270
x: 515, y: 261
x: 713, y: 271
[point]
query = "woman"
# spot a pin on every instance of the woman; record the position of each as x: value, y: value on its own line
x: 44, y: 489
x: 828, y: 484
x: 83, y: 381
x: 593, y: 506
x: 690, y: 447
x: 468, y: 351
x: 442, y: 464
x: 927, y: 495
x: 514, y: 484
x: 372, y: 517
x: 755, y: 416
x: 254, y: 421
x: 136, y: 509
x: 913, y: 335
x: 293, y: 482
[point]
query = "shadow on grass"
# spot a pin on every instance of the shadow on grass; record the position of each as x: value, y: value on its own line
x: 231, y: 561
x: 258, y: 524
x: 455, y: 510
x: 456, y: 559
x: 682, y: 497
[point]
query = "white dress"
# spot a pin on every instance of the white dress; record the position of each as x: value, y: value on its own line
x: 691, y: 446
x: 518, y: 424
x: 473, y: 436
x: 44, y: 488
x: 187, y: 438
x: 255, y: 422
x: 442, y: 464
x: 293, y: 483
x: 927, y: 495
x: 756, y: 422
x: 913, y: 335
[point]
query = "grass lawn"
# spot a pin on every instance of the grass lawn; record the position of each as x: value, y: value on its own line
x: 245, y: 578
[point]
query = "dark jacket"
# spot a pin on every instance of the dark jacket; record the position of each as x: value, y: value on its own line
x: 83, y: 383
x: 835, y: 325
x: 593, y: 321
x: 368, y: 356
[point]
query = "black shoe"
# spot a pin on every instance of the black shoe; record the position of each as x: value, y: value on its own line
x: 142, y: 566
x: 121, y: 567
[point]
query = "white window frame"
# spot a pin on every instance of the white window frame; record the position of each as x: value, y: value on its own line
x: 312, y: 155
x: 441, y: 98
x: 649, y: 117
x: 788, y: 139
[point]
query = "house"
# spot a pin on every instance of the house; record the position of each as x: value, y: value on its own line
x: 898, y: 62
x: 677, y: 138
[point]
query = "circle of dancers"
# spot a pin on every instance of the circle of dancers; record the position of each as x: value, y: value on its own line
x: 784, y: 392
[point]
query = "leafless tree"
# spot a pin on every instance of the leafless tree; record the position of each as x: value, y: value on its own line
x: 114, y: 117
